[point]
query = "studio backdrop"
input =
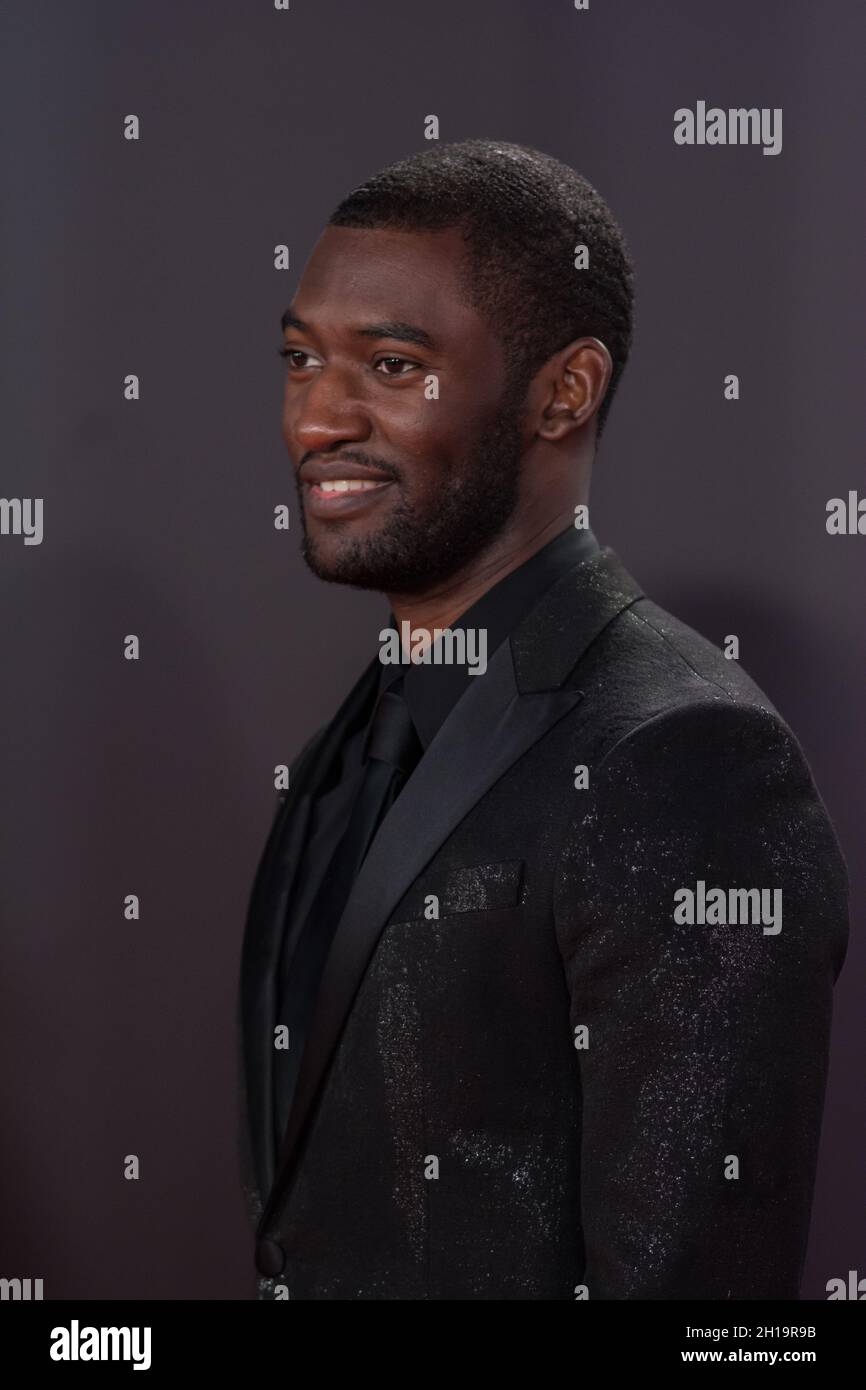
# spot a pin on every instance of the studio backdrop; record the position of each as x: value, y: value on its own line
x: 164, y: 648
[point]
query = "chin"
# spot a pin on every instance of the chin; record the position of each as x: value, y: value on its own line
x: 341, y: 564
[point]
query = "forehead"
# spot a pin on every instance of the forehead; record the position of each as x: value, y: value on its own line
x: 359, y: 275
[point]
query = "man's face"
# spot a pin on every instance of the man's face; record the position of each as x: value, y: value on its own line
x: 398, y: 491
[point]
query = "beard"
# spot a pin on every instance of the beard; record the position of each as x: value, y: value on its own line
x: 420, y: 547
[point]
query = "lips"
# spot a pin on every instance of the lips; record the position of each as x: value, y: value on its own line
x: 337, y: 470
x: 336, y: 489
x: 330, y: 486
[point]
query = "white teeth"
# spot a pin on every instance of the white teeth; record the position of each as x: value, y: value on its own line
x: 347, y: 485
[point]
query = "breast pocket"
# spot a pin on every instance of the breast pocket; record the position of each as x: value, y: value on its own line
x: 468, y: 888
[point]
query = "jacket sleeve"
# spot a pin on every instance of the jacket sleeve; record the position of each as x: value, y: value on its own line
x: 703, y: 1065
x: 253, y: 1199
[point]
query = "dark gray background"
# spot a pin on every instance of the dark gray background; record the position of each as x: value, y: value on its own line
x: 156, y: 258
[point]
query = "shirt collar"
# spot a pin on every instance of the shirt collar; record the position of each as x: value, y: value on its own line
x: 432, y: 691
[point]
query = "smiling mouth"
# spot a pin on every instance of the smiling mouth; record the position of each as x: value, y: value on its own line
x: 343, y: 497
x: 340, y: 486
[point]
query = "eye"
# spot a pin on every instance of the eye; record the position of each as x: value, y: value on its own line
x: 290, y: 353
x: 402, y: 361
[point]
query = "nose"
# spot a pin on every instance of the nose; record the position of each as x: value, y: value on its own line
x: 325, y: 413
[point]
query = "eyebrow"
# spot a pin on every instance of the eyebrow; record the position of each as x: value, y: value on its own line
x: 390, y: 328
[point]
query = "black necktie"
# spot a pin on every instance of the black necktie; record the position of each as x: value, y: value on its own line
x: 392, y: 749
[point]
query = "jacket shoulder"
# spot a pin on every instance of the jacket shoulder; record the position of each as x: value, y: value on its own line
x: 648, y: 664
x: 685, y: 662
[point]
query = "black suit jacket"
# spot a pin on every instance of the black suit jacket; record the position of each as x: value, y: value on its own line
x: 553, y: 1089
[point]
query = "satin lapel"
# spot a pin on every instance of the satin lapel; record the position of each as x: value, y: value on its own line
x: 490, y: 727
x: 265, y: 921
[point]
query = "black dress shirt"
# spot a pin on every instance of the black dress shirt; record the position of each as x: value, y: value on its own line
x: 431, y: 692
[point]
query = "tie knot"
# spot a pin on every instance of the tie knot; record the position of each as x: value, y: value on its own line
x: 391, y: 737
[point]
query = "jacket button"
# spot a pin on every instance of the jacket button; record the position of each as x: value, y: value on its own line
x: 270, y: 1258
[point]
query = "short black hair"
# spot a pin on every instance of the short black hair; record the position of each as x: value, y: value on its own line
x: 522, y: 213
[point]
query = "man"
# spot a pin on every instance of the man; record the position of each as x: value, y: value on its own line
x: 536, y: 984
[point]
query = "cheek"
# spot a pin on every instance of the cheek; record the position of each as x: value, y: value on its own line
x: 287, y: 418
x: 428, y: 434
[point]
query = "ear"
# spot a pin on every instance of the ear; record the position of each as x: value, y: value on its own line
x: 574, y: 381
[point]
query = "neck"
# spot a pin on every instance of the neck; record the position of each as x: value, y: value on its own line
x: 442, y: 606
